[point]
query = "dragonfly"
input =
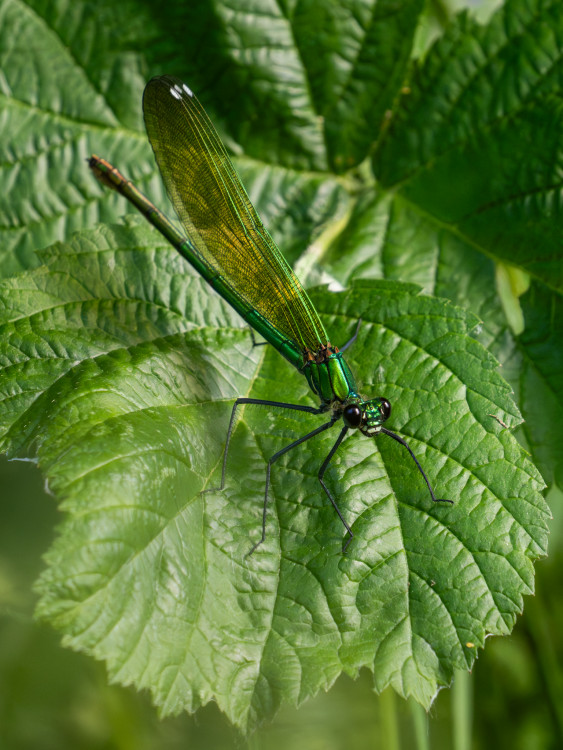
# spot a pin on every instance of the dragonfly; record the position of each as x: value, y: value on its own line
x: 227, y: 243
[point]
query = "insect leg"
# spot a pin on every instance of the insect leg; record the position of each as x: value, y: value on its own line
x: 354, y: 337
x: 322, y: 470
x: 258, y: 402
x: 254, y: 342
x: 414, y: 458
x: 272, y: 460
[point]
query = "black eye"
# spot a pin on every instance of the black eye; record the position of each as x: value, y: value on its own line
x: 352, y: 415
x: 385, y: 407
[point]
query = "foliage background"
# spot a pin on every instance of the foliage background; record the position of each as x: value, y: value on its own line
x: 54, y: 698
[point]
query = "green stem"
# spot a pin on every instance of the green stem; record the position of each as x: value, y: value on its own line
x: 462, y: 710
x: 389, y: 723
x: 420, y: 722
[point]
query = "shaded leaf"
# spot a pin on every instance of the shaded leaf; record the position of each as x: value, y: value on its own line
x: 72, y: 86
x: 540, y: 380
x: 354, y: 67
x: 476, y: 142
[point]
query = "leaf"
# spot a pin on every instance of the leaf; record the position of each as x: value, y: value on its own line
x: 387, y: 238
x: 67, y: 82
x: 287, y: 92
x: 136, y: 364
x: 476, y: 141
x: 120, y: 368
x: 354, y: 68
x: 540, y: 379
x: 73, y: 80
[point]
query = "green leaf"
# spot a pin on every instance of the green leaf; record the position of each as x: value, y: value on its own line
x: 476, y: 141
x: 136, y: 363
x: 73, y: 79
x: 304, y: 85
x: 386, y: 237
x: 540, y: 379
x: 119, y: 367
x: 354, y: 68
x: 67, y: 82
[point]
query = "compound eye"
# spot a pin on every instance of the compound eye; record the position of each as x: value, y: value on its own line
x: 352, y: 415
x: 385, y: 407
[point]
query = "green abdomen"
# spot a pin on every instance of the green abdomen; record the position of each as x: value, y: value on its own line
x: 331, y: 380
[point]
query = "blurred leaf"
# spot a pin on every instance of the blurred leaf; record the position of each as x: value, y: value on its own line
x: 541, y: 379
x: 511, y: 285
x: 476, y: 141
x: 135, y: 364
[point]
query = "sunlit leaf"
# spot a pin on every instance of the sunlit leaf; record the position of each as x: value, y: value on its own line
x: 135, y: 367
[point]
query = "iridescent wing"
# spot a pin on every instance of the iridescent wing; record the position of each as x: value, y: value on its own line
x: 217, y: 215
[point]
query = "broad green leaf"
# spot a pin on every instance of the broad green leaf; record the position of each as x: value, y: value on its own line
x: 72, y: 80
x: 387, y: 238
x: 66, y: 83
x: 111, y: 350
x: 354, y: 68
x: 135, y: 364
x: 476, y: 140
x: 305, y: 84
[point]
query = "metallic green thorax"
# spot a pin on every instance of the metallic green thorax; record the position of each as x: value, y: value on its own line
x: 331, y: 378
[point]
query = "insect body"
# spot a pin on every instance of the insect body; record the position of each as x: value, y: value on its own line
x: 229, y: 246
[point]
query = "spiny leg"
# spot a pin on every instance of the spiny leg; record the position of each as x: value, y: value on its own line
x: 414, y: 458
x: 272, y: 460
x: 254, y: 342
x: 325, y: 488
x: 258, y: 402
x: 354, y: 337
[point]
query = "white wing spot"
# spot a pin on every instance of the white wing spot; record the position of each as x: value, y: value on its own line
x: 187, y: 89
x: 174, y: 93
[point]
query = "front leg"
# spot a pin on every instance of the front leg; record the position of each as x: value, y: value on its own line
x: 258, y: 402
x: 272, y: 460
x: 325, y: 488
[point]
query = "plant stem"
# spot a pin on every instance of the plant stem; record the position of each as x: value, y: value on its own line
x: 420, y: 721
x: 462, y: 709
x: 389, y: 724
